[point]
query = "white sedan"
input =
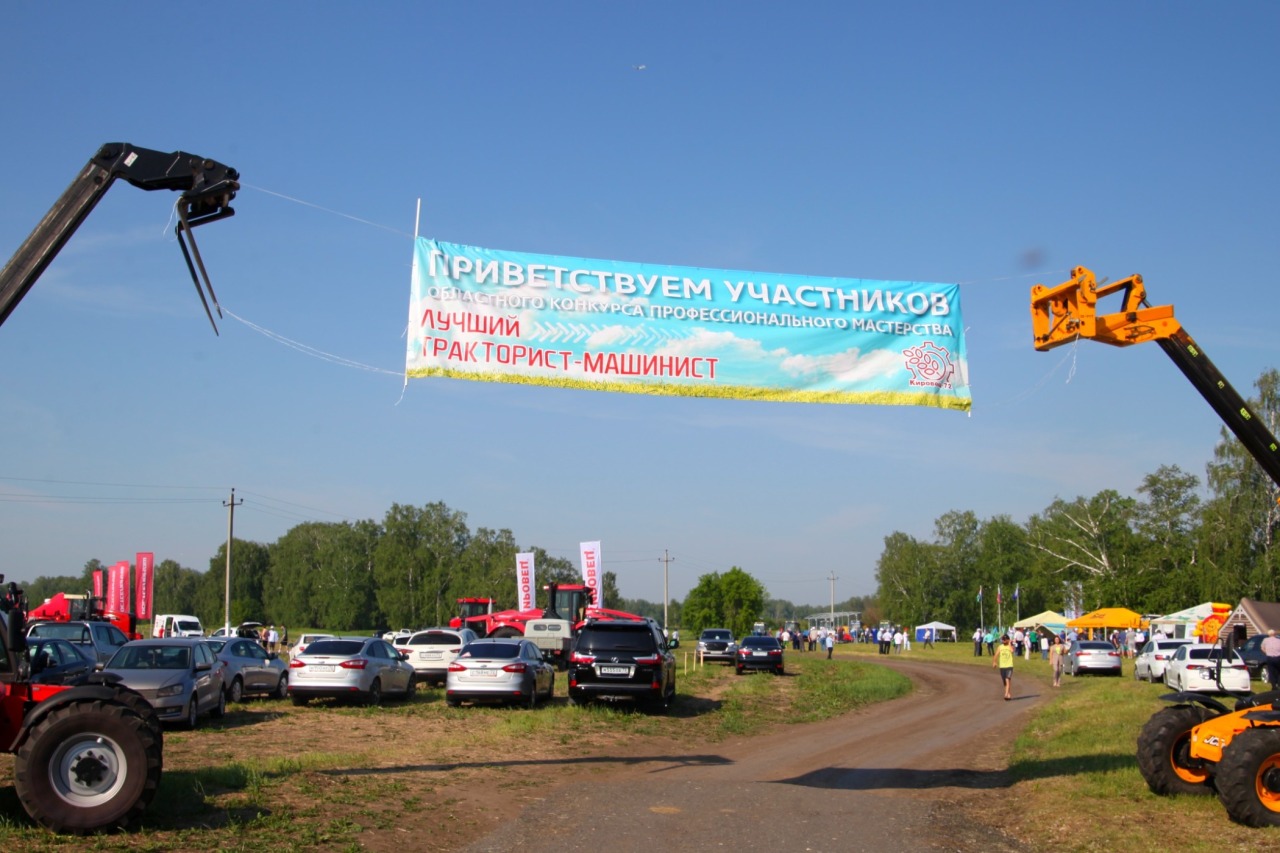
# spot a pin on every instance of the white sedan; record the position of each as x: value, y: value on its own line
x: 1151, y: 660
x: 1194, y: 667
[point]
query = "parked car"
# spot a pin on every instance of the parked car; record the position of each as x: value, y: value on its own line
x: 58, y: 662
x: 717, y: 644
x: 1150, y: 662
x: 306, y: 640
x: 432, y: 650
x: 509, y: 670
x: 249, y: 630
x: 755, y: 652
x: 364, y: 668
x: 1194, y: 667
x: 176, y: 625
x: 179, y: 676
x: 1092, y: 656
x: 250, y: 669
x: 1251, y: 653
x: 99, y: 639
x: 622, y: 659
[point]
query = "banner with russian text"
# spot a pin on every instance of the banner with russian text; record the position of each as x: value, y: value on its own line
x: 97, y: 585
x: 501, y: 316
x: 144, y: 565
x: 590, y: 553
x: 526, y: 592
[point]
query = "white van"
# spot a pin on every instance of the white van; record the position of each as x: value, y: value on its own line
x: 168, y: 625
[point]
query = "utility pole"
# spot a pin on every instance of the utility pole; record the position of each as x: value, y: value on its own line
x: 833, y: 580
x: 666, y: 560
x: 231, y: 521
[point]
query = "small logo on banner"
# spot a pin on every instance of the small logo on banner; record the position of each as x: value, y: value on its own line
x: 930, y: 365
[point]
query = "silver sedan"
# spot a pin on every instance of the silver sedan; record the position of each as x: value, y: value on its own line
x: 499, y: 670
x: 363, y: 668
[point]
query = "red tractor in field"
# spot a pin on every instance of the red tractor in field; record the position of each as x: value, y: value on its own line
x: 88, y: 757
x: 65, y: 607
x: 551, y: 629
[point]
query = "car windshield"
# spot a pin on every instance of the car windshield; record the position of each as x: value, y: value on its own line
x: 186, y: 625
x: 759, y: 643
x: 490, y: 650
x: 216, y: 645
x: 1210, y: 654
x: 74, y: 633
x: 337, y: 648
x: 1094, y: 646
x: 618, y: 641
x: 151, y: 657
x: 717, y: 635
x: 435, y: 638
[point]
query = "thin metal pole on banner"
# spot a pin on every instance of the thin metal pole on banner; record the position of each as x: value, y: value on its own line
x: 417, y: 217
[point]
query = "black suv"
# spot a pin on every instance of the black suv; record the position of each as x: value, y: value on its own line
x: 622, y: 659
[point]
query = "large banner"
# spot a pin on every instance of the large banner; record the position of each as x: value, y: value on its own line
x: 526, y: 592
x: 145, y: 566
x: 590, y: 553
x: 502, y: 316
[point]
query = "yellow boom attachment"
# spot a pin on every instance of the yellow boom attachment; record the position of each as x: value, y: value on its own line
x: 1068, y: 312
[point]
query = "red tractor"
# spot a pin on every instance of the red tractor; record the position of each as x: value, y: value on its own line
x: 551, y: 629
x: 88, y: 757
x: 63, y: 607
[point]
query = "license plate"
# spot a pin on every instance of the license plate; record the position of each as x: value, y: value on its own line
x: 759, y: 654
x: 428, y: 656
x: 321, y: 667
x: 485, y: 673
x: 615, y: 670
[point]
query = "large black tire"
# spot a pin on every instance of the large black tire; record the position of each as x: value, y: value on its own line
x: 1164, y: 752
x: 1248, y: 777
x: 88, y: 766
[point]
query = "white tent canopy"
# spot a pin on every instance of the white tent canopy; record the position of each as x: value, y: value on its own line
x: 938, y: 628
x: 1183, y: 623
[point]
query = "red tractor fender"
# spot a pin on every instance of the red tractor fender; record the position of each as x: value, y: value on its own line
x: 81, y: 693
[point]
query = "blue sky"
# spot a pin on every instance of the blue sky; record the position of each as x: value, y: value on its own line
x: 995, y: 145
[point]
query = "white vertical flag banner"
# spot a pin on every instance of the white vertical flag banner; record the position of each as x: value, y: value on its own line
x: 525, y: 589
x: 590, y: 552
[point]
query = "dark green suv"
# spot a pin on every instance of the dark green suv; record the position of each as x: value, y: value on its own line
x: 620, y: 659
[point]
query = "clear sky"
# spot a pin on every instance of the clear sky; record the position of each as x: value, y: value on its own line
x: 992, y: 144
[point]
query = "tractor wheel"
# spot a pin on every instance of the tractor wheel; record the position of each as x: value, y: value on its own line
x: 88, y: 766
x: 1248, y: 777
x: 1164, y: 752
x: 505, y: 633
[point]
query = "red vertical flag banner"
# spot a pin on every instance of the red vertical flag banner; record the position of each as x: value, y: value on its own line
x: 590, y: 553
x: 115, y: 582
x: 98, y: 591
x: 145, y: 563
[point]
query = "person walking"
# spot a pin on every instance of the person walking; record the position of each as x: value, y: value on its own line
x: 1056, y: 651
x: 1271, y: 648
x: 1004, y: 660
x: 830, y: 642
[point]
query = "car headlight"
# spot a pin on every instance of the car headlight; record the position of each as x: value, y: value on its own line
x: 171, y: 690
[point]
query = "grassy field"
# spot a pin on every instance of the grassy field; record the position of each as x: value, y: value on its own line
x: 271, y: 776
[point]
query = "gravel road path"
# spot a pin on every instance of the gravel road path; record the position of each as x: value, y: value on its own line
x: 901, y: 775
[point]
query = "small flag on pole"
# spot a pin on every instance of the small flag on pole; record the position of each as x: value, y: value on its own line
x: 999, y: 596
x: 1016, y: 589
x: 979, y: 593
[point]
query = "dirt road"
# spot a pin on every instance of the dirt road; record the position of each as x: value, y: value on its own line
x: 904, y: 775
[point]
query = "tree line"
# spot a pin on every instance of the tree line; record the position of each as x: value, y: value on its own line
x: 1163, y: 550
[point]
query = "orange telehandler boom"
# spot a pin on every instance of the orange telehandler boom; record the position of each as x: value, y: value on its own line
x: 1064, y: 314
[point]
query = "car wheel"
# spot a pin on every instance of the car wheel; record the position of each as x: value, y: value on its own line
x: 411, y: 690
x: 220, y: 710
x: 236, y: 690
x: 193, y: 712
x: 1246, y: 777
x: 374, y: 697
x: 738, y: 670
x: 452, y: 702
x: 532, y: 702
x: 551, y: 688
x: 282, y: 688
x: 1164, y: 752
x: 299, y: 701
